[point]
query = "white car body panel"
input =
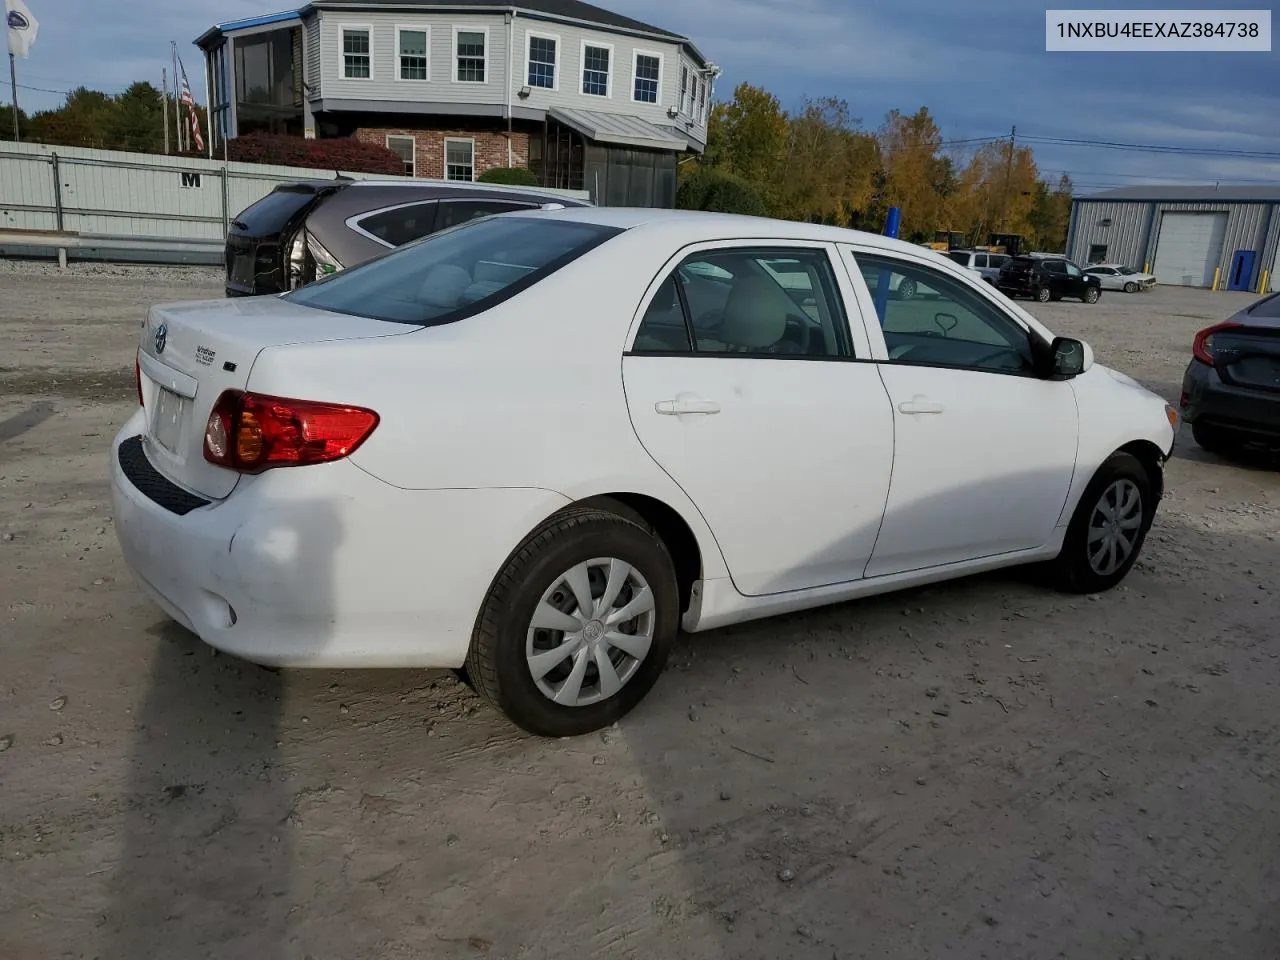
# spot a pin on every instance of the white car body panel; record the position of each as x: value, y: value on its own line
x: 492, y: 424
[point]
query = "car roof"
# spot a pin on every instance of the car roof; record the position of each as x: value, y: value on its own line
x: 701, y: 224
x: 431, y: 187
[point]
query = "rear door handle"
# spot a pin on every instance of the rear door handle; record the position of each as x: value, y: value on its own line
x: 919, y: 405
x: 676, y: 408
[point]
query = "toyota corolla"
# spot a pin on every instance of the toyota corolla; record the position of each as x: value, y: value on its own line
x: 535, y: 446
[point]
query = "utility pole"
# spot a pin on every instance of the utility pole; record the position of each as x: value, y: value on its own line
x: 1008, y: 178
x: 164, y: 87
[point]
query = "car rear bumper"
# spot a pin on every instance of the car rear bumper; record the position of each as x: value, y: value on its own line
x: 1207, y: 400
x: 322, y: 566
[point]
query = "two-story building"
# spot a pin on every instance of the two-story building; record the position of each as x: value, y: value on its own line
x: 583, y: 97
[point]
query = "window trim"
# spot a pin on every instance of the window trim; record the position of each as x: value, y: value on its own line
x: 444, y: 159
x: 854, y: 334
x: 488, y: 74
x: 684, y: 88
x: 636, y: 54
x: 343, y: 28
x: 413, y: 140
x: 528, y: 59
x: 424, y: 29
x: 986, y: 293
x: 582, y: 73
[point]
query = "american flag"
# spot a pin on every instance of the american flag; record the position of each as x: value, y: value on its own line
x: 189, y: 102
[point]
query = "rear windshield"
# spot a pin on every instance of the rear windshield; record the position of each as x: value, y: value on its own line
x: 1266, y: 307
x: 456, y: 273
x: 274, y: 211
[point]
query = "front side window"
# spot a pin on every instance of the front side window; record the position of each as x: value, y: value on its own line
x: 469, y: 45
x: 944, y: 322
x: 595, y: 70
x: 648, y: 71
x: 456, y: 273
x: 747, y: 301
x: 1055, y: 267
x: 1071, y: 268
x: 459, y: 159
x: 357, y: 58
x: 404, y: 148
x: 413, y: 54
x: 542, y: 62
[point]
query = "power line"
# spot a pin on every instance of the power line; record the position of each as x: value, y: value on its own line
x: 23, y: 86
x: 1156, y: 148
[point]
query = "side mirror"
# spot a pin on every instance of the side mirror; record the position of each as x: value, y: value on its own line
x: 1070, y: 358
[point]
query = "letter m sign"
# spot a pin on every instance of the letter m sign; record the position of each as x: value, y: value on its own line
x: 190, y: 179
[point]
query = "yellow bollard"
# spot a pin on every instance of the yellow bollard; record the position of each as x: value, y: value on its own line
x: 1146, y: 268
x: 1216, y: 274
x: 1262, y: 286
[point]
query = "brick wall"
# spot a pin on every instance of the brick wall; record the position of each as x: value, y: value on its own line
x: 490, y: 147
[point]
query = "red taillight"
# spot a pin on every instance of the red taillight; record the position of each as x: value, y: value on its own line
x: 250, y: 433
x: 137, y: 379
x: 1202, y: 346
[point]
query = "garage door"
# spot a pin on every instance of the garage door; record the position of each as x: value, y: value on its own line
x: 1189, y: 248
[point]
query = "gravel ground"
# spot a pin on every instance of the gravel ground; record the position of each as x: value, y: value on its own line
x: 981, y: 769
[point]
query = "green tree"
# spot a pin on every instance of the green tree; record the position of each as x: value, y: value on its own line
x: 752, y: 133
x: 6, y: 122
x: 712, y: 188
x: 514, y: 176
x: 830, y: 165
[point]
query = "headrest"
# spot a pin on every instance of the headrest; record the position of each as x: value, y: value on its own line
x: 444, y: 285
x: 755, y: 314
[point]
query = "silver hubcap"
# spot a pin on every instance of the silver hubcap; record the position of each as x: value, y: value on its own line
x: 1114, y: 527
x: 590, y: 632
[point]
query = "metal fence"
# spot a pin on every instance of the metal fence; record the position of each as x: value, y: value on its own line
x: 108, y: 194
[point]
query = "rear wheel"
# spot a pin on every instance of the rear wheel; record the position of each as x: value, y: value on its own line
x: 1043, y: 294
x: 1214, y: 439
x: 1108, y: 529
x: 906, y: 289
x: 1130, y: 287
x: 577, y: 626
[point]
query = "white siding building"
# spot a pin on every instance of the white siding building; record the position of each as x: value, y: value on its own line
x: 585, y: 98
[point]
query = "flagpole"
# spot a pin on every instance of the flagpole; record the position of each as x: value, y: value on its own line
x: 208, y: 109
x: 13, y: 80
x: 164, y: 86
x: 177, y: 112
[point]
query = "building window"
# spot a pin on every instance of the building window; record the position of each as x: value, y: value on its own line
x: 595, y: 70
x: 357, y: 57
x: 706, y: 101
x: 542, y: 61
x: 412, y: 45
x: 693, y: 111
x: 469, y: 50
x: 648, y: 78
x: 684, y: 89
x: 404, y: 148
x: 459, y: 159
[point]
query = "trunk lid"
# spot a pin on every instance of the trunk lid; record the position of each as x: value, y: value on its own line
x: 1249, y: 356
x: 255, y: 240
x: 189, y: 353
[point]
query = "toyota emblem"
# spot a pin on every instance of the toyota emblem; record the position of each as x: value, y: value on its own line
x: 161, y: 337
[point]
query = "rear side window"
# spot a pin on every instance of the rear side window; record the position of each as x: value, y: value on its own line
x: 460, y: 211
x: 455, y: 273
x: 400, y: 225
x: 960, y: 258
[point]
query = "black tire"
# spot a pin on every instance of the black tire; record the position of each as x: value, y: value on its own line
x: 906, y: 289
x: 1071, y: 571
x: 1130, y: 287
x: 496, y: 661
x: 1213, y: 439
x: 1092, y: 295
x: 1043, y: 294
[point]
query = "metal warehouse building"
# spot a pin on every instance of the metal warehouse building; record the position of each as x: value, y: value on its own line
x: 1186, y: 236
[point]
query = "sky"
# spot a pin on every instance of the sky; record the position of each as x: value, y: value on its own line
x: 979, y: 66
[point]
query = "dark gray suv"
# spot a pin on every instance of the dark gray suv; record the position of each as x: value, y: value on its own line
x: 309, y: 228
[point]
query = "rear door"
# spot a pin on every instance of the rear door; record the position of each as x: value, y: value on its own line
x: 744, y: 384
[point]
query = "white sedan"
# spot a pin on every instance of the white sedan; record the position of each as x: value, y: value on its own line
x: 1116, y: 276
x: 535, y: 446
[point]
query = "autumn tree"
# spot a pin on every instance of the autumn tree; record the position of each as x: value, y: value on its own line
x: 750, y: 134
x: 916, y: 177
x: 1050, y: 215
x: 830, y: 165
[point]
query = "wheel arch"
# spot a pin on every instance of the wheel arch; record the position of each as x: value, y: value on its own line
x: 1152, y: 460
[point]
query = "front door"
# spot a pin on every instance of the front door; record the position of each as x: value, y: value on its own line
x: 984, y: 451
x: 743, y: 386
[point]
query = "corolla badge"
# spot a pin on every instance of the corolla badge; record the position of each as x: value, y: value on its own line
x: 161, y: 338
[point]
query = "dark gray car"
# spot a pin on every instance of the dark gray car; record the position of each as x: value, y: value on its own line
x: 310, y: 228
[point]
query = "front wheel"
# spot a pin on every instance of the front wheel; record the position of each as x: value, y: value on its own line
x: 1043, y: 294
x: 1108, y: 529
x: 578, y: 625
x: 1131, y: 287
x: 1091, y: 295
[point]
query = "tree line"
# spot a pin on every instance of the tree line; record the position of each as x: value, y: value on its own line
x: 818, y: 164
x: 133, y: 120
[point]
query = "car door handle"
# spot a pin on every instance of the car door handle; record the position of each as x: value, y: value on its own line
x: 676, y: 408
x: 919, y: 405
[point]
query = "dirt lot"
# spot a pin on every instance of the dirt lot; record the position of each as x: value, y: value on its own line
x: 983, y: 769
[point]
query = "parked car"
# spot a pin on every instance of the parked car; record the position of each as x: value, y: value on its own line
x: 304, y: 230
x: 1116, y: 276
x: 1046, y: 278
x: 1231, y: 388
x: 535, y: 446
x: 986, y: 265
